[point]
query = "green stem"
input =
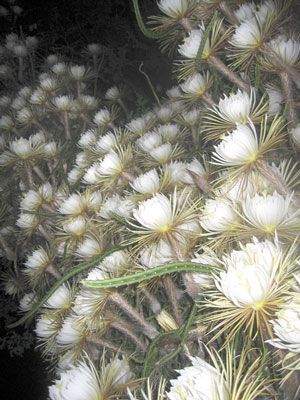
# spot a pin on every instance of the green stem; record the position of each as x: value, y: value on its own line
x: 142, y: 26
x: 139, y: 277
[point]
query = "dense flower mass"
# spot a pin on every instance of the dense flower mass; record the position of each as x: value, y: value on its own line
x: 157, y: 236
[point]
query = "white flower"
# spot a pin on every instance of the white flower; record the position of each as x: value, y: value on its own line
x: 196, y: 168
x: 178, y: 173
x: 45, y: 327
x: 161, y: 153
x: 250, y: 273
x: 168, y: 132
x: 106, y: 143
x: 76, y: 226
x: 149, y: 141
x: 140, y: 125
x: 191, y: 117
x: 248, y: 34
x: 73, y: 205
x: 196, y: 84
x: 70, y: 332
x: 38, y: 259
x: 155, y: 214
x: 74, y: 175
x: 245, y: 12
x: 87, y: 139
x: 94, y: 48
x: 295, y: 133
x: 102, y: 118
x: 191, y: 44
x: 147, y: 183
x: 174, y: 8
x: 287, y: 327
x: 239, y: 147
x: 59, y: 68
x: 89, y: 248
x: 237, y: 107
x: 63, y: 103
x: 156, y: 254
x: 77, y: 72
x: 22, y: 148
x: 110, y: 165
x: 26, y: 221
x: 218, y: 216
x: 275, y: 100
x: 26, y: 302
x: 270, y: 212
x: 201, y: 381
x: 287, y: 49
x: 61, y: 298
x: 115, y: 261
x: 77, y: 383
x: 113, y: 94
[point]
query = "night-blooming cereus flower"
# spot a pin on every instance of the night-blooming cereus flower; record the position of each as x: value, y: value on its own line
x: 61, y: 298
x: 287, y: 327
x: 295, y: 133
x: 149, y: 141
x: 191, y: 44
x: 147, y: 183
x: 236, y: 107
x: 156, y: 254
x: 83, y: 381
x: 245, y: 12
x: 247, y: 35
x: 103, y: 117
x: 197, y: 85
x: 174, y: 8
x: 239, y: 147
x: 201, y: 381
x: 218, y: 216
x: 77, y: 383
x: 271, y: 213
x: 70, y: 332
x: 287, y: 49
x: 162, y: 216
x: 275, y: 99
x: 249, y: 274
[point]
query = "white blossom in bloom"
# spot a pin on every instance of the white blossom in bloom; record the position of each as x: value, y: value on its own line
x: 247, y: 34
x: 63, y: 103
x: 73, y: 205
x: 155, y: 214
x: 115, y: 261
x: 27, y: 301
x: 38, y: 259
x: 113, y: 93
x: 200, y: 381
x: 74, y: 175
x: 209, y: 258
x: 45, y: 327
x: 218, y: 216
x: 168, y: 132
x: 295, y: 133
x: 178, y: 172
x: 287, y: 327
x: 87, y: 139
x: 164, y: 113
x: 77, y: 383
x: 174, y: 92
x: 90, y: 247
x: 94, y: 48
x: 70, y: 332
x: 102, y: 117
x: 27, y: 221
x: 196, y: 168
x: 77, y: 72
x: 161, y: 153
x: 110, y: 165
x: 238, y: 189
x: 20, y: 50
x: 156, y: 254
x: 287, y: 49
x: 245, y: 12
x: 147, y: 183
x: 141, y: 125
x: 59, y: 68
x: 238, y: 147
x: 270, y: 212
x: 31, y: 201
x: 266, y: 8
x: 249, y: 274
x: 106, y: 143
x: 236, y: 107
x: 22, y: 148
x: 196, y: 84
x: 173, y: 8
x: 149, y: 141
x: 49, y: 84
x: 191, y: 44
x: 61, y: 298
x: 76, y: 226
x: 275, y: 100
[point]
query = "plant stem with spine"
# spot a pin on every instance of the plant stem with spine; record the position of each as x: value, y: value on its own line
x: 288, y: 92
